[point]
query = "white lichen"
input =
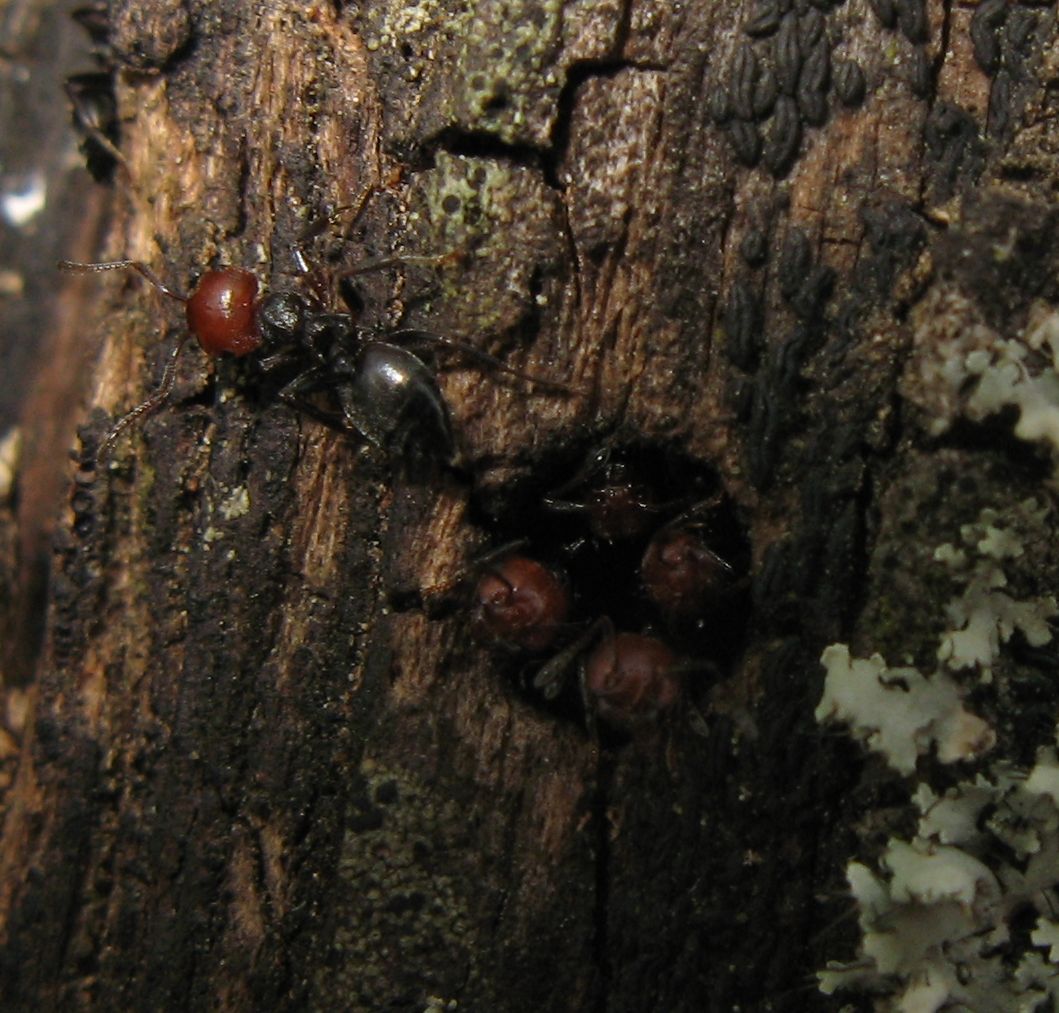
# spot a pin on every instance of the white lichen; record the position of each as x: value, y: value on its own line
x: 936, y: 921
x: 899, y: 712
x: 937, y: 911
x: 964, y: 368
x: 902, y: 713
x: 984, y: 617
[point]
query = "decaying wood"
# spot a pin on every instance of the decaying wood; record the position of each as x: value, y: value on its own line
x: 255, y: 776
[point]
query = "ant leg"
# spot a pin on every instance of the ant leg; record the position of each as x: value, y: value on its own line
x: 295, y: 396
x: 427, y: 597
x: 591, y: 721
x: 89, y: 116
x: 489, y: 558
x: 551, y: 676
x: 429, y: 338
x: 148, y: 407
x: 315, y: 276
x: 331, y: 420
x: 351, y: 297
x: 405, y: 260
x: 317, y: 225
x: 563, y: 506
x: 696, y: 510
x: 592, y: 467
x: 277, y: 361
x: 77, y: 267
x: 696, y: 719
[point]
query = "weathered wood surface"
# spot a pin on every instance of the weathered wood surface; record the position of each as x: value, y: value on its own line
x: 253, y: 776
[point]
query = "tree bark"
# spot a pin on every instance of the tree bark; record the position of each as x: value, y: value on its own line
x: 266, y: 761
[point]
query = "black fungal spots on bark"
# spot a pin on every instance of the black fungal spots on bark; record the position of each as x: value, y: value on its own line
x: 782, y: 79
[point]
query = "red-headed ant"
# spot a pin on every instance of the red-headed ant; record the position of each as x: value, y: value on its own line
x: 521, y: 603
x: 681, y: 574
x: 628, y: 680
x: 615, y: 501
x: 369, y: 383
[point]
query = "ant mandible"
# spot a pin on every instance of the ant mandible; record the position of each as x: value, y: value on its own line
x: 378, y: 389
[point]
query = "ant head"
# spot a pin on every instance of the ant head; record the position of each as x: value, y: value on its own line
x: 521, y: 603
x: 681, y: 574
x: 222, y: 312
x: 620, y: 507
x: 632, y: 677
x: 617, y: 503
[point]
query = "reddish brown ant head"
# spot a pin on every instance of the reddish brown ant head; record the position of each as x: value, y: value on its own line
x: 222, y: 312
x: 631, y: 677
x: 681, y: 574
x: 522, y: 603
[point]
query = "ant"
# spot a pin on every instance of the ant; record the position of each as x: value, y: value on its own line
x: 628, y: 680
x: 377, y: 388
x: 681, y: 574
x: 617, y: 504
x: 519, y: 602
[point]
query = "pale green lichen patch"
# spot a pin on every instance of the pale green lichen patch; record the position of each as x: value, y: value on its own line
x: 984, y: 616
x: 498, y: 221
x: 495, y: 67
x: 943, y: 914
x: 899, y: 712
x: 938, y: 920
x: 1047, y: 934
x: 902, y: 713
x: 235, y: 504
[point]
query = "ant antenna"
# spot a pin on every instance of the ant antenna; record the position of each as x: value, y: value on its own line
x: 89, y: 118
x: 78, y: 267
x: 148, y: 407
x: 165, y: 388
